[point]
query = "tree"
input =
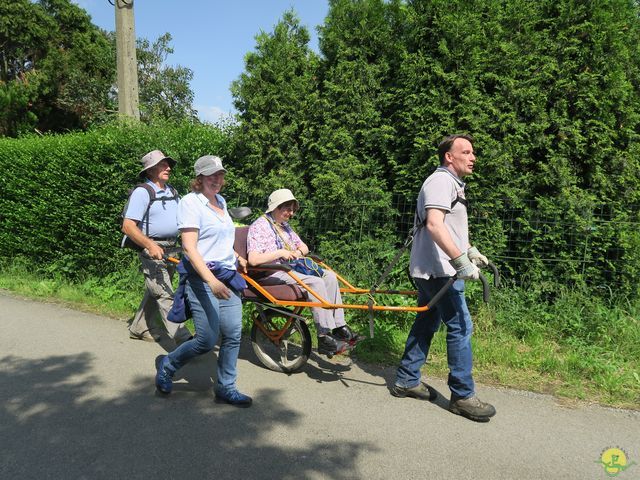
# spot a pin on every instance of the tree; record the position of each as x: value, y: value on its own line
x: 164, y: 90
x: 58, y: 71
x: 360, y: 48
x: 56, y: 67
x: 549, y: 89
x: 276, y: 98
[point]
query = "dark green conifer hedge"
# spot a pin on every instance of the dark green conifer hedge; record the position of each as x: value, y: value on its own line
x: 63, y: 195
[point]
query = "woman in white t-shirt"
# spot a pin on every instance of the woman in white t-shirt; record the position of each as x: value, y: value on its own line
x: 213, y: 285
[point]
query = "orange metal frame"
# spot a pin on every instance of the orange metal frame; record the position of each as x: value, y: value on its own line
x: 276, y: 335
x: 323, y: 303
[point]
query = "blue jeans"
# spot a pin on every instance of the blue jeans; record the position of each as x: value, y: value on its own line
x: 452, y: 310
x: 212, y: 316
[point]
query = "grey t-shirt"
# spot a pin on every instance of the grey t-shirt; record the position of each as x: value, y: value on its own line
x: 440, y: 190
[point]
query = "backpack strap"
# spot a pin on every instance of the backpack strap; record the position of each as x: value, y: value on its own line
x: 173, y: 191
x: 154, y: 198
x: 152, y: 195
x: 461, y: 200
x: 278, y: 231
x: 126, y: 242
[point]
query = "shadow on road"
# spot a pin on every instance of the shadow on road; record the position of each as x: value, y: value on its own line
x: 55, y: 424
x: 318, y: 368
x: 323, y: 370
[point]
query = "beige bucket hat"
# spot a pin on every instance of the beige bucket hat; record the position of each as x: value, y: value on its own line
x: 153, y: 158
x: 279, y: 197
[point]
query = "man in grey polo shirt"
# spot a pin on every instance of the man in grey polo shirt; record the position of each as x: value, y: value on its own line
x: 153, y: 226
x: 440, y: 250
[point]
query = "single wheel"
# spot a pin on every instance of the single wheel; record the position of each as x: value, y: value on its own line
x: 285, y: 343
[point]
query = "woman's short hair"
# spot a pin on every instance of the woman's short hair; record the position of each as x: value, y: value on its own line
x: 196, y: 184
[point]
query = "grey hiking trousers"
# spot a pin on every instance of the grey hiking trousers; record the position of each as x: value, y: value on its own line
x: 158, y: 297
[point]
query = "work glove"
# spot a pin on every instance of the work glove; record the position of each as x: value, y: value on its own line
x: 477, y: 258
x: 464, y: 268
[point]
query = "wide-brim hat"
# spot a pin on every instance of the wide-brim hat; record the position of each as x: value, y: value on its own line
x: 279, y: 197
x: 153, y: 158
x: 208, y: 165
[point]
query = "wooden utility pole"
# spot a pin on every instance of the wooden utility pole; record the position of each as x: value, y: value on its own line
x: 127, y: 63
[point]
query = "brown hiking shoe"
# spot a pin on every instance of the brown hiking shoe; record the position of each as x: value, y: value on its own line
x: 146, y: 336
x: 473, y: 408
x: 420, y: 391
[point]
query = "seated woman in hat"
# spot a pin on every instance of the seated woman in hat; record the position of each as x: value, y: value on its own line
x: 272, y: 240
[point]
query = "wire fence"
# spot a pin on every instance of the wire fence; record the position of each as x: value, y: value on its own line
x: 601, y: 247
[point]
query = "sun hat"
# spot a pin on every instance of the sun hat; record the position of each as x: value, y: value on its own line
x: 208, y: 165
x: 279, y: 197
x: 153, y: 158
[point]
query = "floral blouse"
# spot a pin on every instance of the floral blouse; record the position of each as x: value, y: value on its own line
x: 262, y: 237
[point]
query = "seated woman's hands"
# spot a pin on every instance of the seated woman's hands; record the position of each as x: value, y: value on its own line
x: 285, y: 254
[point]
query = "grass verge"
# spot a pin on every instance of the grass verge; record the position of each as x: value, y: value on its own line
x: 573, y: 346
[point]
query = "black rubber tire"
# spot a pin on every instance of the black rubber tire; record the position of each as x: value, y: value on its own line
x: 292, y: 351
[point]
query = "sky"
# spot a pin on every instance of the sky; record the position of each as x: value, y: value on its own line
x: 211, y: 37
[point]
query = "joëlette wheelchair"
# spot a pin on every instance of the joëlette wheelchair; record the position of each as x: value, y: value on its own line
x: 279, y: 335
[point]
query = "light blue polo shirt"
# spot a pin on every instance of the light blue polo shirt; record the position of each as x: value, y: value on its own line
x: 216, y: 234
x: 162, y: 214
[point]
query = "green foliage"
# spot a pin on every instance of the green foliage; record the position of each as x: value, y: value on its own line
x: 354, y: 136
x: 56, y: 70
x: 276, y: 99
x: 164, y: 90
x: 548, y: 89
x: 586, y: 342
x: 63, y: 195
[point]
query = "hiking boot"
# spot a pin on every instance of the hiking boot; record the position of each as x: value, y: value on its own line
x: 145, y: 336
x: 346, y: 334
x: 472, y: 408
x: 235, y: 398
x: 164, y: 384
x: 420, y: 391
x: 329, y: 346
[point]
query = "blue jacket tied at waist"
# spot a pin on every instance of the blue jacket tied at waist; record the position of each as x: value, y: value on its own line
x: 180, y: 310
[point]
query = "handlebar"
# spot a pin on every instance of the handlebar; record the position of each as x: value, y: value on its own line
x: 441, y: 292
x: 496, y: 275
x: 239, y: 213
x: 486, y: 293
x: 486, y: 289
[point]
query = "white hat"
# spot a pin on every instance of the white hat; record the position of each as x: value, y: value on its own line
x: 153, y: 158
x: 279, y: 197
x: 208, y: 165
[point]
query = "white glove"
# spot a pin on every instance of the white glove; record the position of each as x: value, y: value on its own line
x: 477, y: 258
x: 464, y: 268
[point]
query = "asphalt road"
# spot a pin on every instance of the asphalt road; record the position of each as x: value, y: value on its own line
x: 78, y: 402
